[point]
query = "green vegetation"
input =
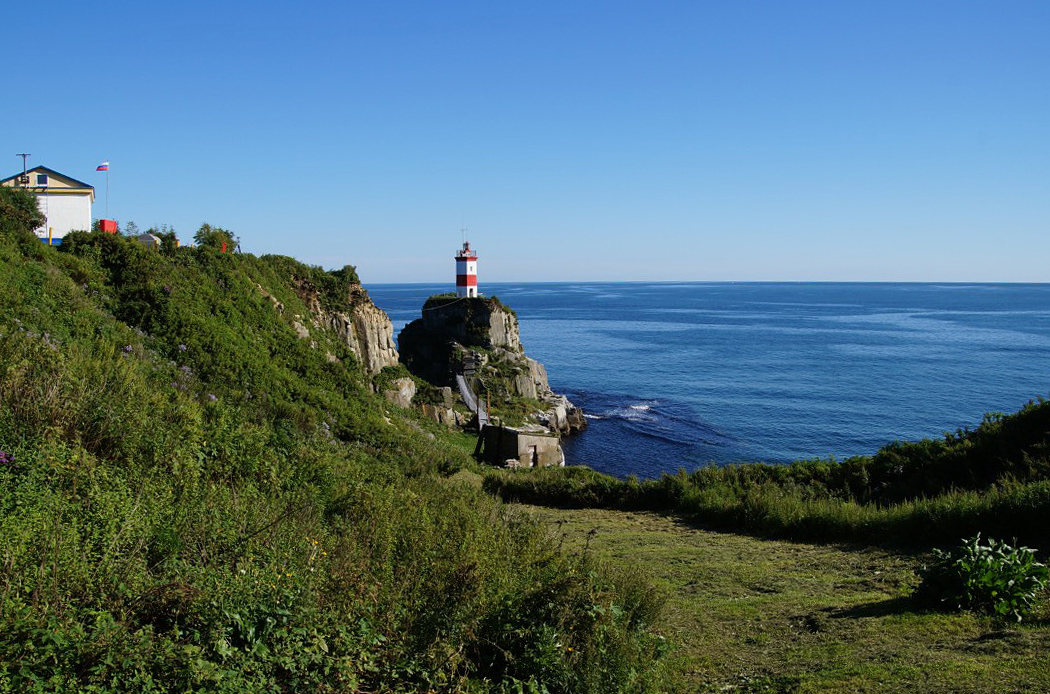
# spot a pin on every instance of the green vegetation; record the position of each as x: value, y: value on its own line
x: 195, y: 498
x: 993, y: 578
x: 499, y: 304
x: 497, y: 382
x: 994, y: 479
x: 753, y: 615
x: 18, y: 213
x: 448, y: 297
x: 192, y: 498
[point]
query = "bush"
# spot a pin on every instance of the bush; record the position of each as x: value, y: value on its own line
x: 993, y: 578
x: 18, y: 212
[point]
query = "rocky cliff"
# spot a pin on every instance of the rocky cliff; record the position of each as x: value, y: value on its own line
x: 433, y: 346
x: 363, y: 326
x: 480, y: 337
x: 428, y: 344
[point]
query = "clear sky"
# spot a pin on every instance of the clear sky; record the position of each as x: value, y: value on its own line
x: 575, y: 140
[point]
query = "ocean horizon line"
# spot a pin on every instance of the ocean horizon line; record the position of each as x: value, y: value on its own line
x: 954, y: 283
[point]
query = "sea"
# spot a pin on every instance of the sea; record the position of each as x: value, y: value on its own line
x: 679, y: 375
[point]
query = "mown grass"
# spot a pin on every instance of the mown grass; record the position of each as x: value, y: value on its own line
x: 747, y: 614
x: 193, y: 498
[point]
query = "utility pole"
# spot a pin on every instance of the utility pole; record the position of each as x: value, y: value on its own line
x: 25, y: 177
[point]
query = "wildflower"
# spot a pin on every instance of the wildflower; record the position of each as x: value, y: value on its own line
x: 182, y: 348
x: 212, y: 397
x: 127, y: 348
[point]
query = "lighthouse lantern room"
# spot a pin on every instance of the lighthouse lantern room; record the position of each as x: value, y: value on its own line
x: 466, y: 271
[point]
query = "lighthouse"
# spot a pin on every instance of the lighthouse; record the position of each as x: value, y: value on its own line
x: 466, y: 271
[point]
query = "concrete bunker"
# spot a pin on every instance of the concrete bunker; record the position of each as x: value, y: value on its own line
x: 512, y: 447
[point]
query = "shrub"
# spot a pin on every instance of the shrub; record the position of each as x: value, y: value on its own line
x: 18, y: 212
x: 993, y: 578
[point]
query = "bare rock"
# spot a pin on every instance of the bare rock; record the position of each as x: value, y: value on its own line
x: 402, y: 392
x: 300, y: 329
x: 361, y: 325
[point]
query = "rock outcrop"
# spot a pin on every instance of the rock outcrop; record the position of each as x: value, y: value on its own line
x: 562, y: 416
x: 429, y: 344
x: 479, y: 339
x: 401, y: 392
x: 360, y: 324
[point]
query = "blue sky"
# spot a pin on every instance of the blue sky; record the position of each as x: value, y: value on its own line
x: 648, y: 140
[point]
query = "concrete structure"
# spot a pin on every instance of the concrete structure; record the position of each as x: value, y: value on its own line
x: 65, y: 202
x: 519, y: 448
x: 466, y: 271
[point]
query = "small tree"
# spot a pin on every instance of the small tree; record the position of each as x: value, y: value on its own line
x: 169, y: 243
x: 213, y: 237
x: 18, y: 211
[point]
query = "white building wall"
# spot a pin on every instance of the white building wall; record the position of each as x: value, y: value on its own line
x: 65, y: 213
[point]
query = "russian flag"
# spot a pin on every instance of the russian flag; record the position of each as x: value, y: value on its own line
x: 104, y: 166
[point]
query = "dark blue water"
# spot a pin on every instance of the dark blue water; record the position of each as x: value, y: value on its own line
x: 677, y: 375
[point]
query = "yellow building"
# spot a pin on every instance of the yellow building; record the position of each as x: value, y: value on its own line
x: 64, y: 201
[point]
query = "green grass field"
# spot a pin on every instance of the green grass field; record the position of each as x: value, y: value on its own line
x: 753, y: 615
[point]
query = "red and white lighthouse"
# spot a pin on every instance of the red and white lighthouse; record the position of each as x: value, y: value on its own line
x: 466, y: 271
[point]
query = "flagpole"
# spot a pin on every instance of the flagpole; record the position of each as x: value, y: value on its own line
x: 104, y: 166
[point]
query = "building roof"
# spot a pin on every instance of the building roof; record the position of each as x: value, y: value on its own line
x: 68, y: 181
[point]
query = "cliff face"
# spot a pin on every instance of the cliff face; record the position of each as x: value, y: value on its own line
x: 364, y: 327
x: 429, y: 344
x: 473, y: 322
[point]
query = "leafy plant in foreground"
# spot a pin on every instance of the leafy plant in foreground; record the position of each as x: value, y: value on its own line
x: 993, y: 578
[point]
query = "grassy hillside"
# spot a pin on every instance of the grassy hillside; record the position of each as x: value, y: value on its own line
x: 192, y: 498
x: 993, y: 479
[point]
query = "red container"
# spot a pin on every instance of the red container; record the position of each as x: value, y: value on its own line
x: 108, y: 226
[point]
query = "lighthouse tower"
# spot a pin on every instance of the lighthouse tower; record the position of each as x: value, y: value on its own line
x: 466, y: 271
